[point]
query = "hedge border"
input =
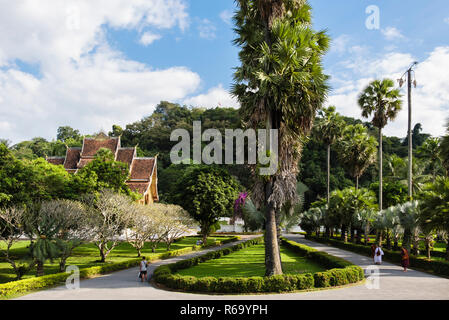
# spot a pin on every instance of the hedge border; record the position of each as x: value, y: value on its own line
x: 24, y: 286
x: 440, y: 268
x: 342, y: 273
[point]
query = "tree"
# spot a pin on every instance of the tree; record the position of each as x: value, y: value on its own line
x: 346, y: 203
x: 108, y: 214
x: 175, y: 222
x: 357, y: 151
x: 281, y: 84
x: 106, y: 173
x: 11, y: 232
x: 329, y: 128
x: 66, y: 133
x: 435, y: 206
x: 311, y: 220
x: 409, y: 218
x: 207, y: 193
x: 384, y: 103
x: 366, y: 219
x: 146, y: 226
x: 430, y: 150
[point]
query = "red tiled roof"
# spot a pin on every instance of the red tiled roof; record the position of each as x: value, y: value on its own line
x: 139, y: 187
x: 56, y: 160
x: 84, y: 162
x: 142, y: 168
x: 91, y: 146
x: 126, y: 155
x: 72, y: 158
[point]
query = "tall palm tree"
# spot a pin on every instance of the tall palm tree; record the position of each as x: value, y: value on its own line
x: 281, y: 84
x: 357, y: 150
x: 384, y: 103
x: 444, y: 150
x: 329, y: 129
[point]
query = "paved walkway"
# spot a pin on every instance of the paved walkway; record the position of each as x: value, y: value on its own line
x: 394, y: 284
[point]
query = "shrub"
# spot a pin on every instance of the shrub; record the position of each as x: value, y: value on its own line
x: 342, y: 272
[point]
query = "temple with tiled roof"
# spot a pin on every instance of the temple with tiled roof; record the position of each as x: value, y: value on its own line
x: 142, y: 171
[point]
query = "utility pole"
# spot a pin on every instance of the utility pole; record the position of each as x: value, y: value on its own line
x: 410, y: 138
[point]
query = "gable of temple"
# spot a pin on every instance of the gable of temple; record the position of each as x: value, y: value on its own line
x: 142, y: 171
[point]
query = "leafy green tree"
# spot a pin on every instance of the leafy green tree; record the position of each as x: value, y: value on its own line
x: 384, y: 103
x: 394, y: 192
x: 430, y: 150
x: 207, y: 193
x: 346, y: 203
x: 330, y: 129
x: 106, y: 173
x: 280, y: 84
x: 357, y: 151
x: 66, y: 133
x: 435, y: 206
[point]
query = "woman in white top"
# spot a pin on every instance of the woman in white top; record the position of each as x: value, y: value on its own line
x: 378, y: 253
x: 143, y: 269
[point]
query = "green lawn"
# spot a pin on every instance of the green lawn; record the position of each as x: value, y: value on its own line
x: 88, y: 255
x: 250, y: 262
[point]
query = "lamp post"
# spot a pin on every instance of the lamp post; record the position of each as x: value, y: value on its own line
x: 401, y: 81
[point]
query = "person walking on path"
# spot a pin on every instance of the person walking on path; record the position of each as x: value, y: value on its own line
x: 373, y: 250
x: 405, y: 259
x: 143, y: 269
x: 378, y: 253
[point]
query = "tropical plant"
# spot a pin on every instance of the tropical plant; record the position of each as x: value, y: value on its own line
x: 357, y: 150
x: 281, y: 84
x: 430, y: 150
x: 435, y: 207
x: 329, y: 129
x: 384, y: 103
x: 444, y: 150
x: 409, y: 218
x: 311, y: 220
x: 365, y: 219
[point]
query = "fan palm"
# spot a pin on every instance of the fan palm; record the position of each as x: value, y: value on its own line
x: 329, y: 129
x: 444, y: 150
x: 281, y: 84
x: 430, y: 150
x: 357, y: 150
x: 384, y: 103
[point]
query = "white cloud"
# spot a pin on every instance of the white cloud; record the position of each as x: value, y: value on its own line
x: 226, y: 16
x: 215, y: 97
x: 391, y: 33
x: 340, y: 44
x: 430, y: 100
x: 148, y: 38
x: 83, y: 82
x: 207, y: 29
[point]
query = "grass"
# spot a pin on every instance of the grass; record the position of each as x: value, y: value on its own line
x: 250, y: 262
x: 88, y: 255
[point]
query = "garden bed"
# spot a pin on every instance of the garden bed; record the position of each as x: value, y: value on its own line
x: 341, y: 272
x: 438, y: 267
x: 121, y: 258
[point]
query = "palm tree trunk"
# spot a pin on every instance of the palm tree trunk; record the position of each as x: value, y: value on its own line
x: 447, y: 251
x: 328, y: 171
x: 357, y: 183
x: 380, y: 170
x: 272, y: 258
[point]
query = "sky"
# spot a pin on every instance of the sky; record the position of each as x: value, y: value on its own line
x: 92, y: 64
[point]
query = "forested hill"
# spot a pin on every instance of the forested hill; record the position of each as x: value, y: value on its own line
x: 152, y: 136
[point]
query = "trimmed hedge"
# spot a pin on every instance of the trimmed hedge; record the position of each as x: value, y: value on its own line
x: 27, y: 285
x: 436, y: 267
x: 342, y: 274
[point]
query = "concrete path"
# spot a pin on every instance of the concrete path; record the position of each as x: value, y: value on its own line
x: 393, y: 285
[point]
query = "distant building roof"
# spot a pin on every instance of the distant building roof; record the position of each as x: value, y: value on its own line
x: 126, y: 155
x: 92, y: 145
x: 72, y: 158
x: 142, y: 169
x: 56, y: 160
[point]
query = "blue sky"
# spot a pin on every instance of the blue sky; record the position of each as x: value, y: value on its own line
x: 93, y: 64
